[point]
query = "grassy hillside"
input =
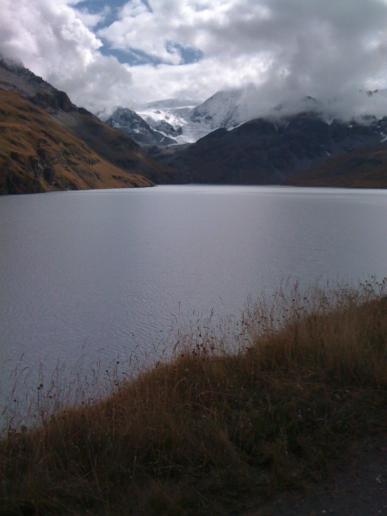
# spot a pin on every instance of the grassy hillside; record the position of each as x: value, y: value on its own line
x: 366, y: 168
x: 211, y: 430
x: 37, y: 154
x: 111, y: 144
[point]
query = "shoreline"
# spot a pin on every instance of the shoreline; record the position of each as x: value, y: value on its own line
x: 211, y: 428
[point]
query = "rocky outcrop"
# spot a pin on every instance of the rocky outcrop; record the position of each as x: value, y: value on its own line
x: 137, y: 128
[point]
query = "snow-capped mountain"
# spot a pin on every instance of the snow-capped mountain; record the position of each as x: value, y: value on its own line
x: 264, y: 151
x: 170, y: 117
x: 187, y: 122
x: 179, y: 121
x: 222, y: 110
x: 230, y: 108
x: 137, y: 128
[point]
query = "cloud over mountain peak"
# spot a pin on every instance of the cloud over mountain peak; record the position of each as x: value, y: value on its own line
x: 111, y: 52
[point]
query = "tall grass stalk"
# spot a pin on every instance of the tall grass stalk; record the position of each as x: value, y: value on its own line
x: 217, y: 424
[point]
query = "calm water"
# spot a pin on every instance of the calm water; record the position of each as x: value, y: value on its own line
x: 89, y: 276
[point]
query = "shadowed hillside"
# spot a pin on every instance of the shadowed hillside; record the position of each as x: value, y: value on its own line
x: 37, y: 154
x: 273, y: 151
x: 366, y: 168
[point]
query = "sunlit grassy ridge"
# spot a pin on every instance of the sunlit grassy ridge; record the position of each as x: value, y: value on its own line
x: 37, y: 154
x: 212, y: 429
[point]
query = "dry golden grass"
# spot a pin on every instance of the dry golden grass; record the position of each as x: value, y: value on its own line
x: 207, y: 431
x: 37, y: 154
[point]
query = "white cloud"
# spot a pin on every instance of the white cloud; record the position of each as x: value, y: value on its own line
x: 197, y: 80
x: 49, y: 35
x: 201, y: 24
x: 303, y: 47
x: 91, y: 20
x: 289, y: 49
x: 55, y: 41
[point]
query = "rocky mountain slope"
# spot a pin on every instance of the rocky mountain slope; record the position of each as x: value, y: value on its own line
x: 138, y: 129
x: 38, y: 155
x: 221, y: 110
x: 170, y: 117
x: 49, y: 143
x: 181, y: 121
x: 186, y: 122
x: 113, y: 148
x: 271, y: 151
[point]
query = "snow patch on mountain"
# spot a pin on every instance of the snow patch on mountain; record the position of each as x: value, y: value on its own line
x: 221, y: 110
x: 181, y: 121
x: 137, y: 128
x: 187, y: 122
x: 171, y: 116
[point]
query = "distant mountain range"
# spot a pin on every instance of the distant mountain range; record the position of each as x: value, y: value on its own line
x: 290, y: 150
x: 137, y: 128
x: 158, y: 123
x: 178, y: 121
x: 48, y: 143
x: 301, y: 143
x: 175, y: 121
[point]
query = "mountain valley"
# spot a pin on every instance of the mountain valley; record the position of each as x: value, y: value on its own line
x: 48, y: 143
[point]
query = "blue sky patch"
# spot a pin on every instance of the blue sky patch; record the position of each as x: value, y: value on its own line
x: 136, y: 57
x: 188, y: 54
x: 133, y: 56
x: 96, y: 6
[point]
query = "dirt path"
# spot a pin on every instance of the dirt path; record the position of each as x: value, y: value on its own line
x: 358, y: 489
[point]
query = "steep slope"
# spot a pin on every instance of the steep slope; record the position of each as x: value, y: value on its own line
x: 170, y: 117
x: 269, y: 151
x: 109, y: 143
x: 366, y: 168
x: 222, y: 110
x: 137, y: 128
x: 186, y: 122
x: 38, y: 155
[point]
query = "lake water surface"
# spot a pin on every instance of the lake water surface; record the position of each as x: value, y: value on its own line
x: 95, y: 275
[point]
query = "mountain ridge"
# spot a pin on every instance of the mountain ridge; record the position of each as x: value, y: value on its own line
x: 306, y: 147
x: 264, y: 151
x: 230, y: 108
x: 117, y: 151
x: 38, y: 155
x: 129, y: 122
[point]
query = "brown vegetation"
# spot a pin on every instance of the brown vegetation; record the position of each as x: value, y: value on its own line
x: 37, y: 154
x: 213, y: 429
x: 365, y: 168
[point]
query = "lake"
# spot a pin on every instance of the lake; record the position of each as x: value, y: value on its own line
x: 86, y: 277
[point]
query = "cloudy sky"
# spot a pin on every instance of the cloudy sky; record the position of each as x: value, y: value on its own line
x: 116, y: 52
